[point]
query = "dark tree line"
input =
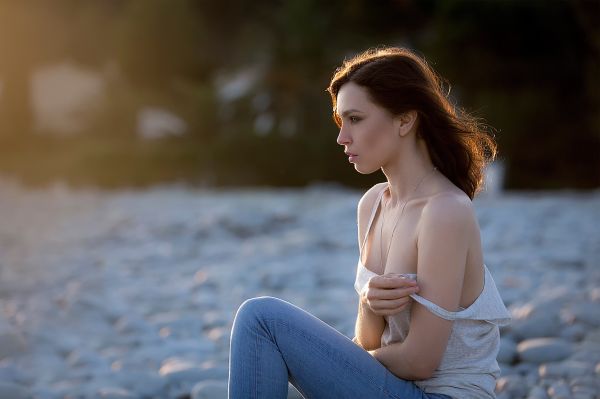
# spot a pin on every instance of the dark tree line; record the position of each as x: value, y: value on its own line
x: 529, y: 68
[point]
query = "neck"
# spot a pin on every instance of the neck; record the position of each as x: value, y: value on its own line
x: 406, y: 172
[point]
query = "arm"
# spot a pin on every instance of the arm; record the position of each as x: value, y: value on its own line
x: 444, y: 231
x: 369, y: 326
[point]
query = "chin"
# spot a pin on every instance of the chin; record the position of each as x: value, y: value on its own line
x: 365, y: 171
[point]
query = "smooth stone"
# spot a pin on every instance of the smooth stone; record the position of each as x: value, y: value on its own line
x: 12, y: 343
x: 140, y: 383
x: 14, y: 391
x: 200, y: 347
x: 566, y: 369
x: 584, y: 395
x: 513, y: 385
x: 542, y: 350
x: 585, y: 384
x: 559, y: 390
x: 179, y: 371
x: 537, y: 325
x: 537, y: 392
x: 525, y: 368
x: 114, y: 393
x: 131, y: 324
x: 210, y: 389
x: 507, y: 352
x: 573, y: 332
x: 586, y: 312
x: 86, y: 358
x: 11, y: 373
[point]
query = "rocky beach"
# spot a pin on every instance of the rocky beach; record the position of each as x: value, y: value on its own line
x: 132, y: 293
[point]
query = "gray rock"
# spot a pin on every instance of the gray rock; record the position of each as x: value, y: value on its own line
x: 508, y: 351
x: 11, y: 342
x: 11, y: 373
x: 14, y: 391
x: 141, y: 383
x: 512, y: 385
x: 537, y: 392
x: 542, y: 350
x: 132, y: 324
x: 114, y: 393
x: 566, y: 369
x: 585, y: 385
x: 574, y: 332
x: 559, y: 390
x: 210, y: 389
x: 585, y: 312
x: 181, y: 371
x: 537, y: 325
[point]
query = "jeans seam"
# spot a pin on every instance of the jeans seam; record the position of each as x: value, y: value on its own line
x: 326, y: 352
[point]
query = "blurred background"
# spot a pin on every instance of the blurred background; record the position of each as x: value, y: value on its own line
x: 162, y: 161
x: 119, y: 93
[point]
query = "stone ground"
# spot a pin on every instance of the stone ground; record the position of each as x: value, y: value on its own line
x: 131, y: 294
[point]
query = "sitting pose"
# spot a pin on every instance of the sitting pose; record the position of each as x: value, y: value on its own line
x: 429, y: 310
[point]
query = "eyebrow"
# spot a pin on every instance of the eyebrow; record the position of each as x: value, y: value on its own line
x: 349, y: 111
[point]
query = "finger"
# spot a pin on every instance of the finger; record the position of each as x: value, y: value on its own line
x: 390, y: 282
x: 389, y: 305
x: 390, y: 294
x: 390, y: 312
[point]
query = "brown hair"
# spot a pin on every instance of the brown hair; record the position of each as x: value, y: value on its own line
x: 399, y: 80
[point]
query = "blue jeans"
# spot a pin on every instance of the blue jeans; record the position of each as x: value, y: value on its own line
x: 273, y: 342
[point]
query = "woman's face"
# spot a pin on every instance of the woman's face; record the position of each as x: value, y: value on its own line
x: 368, y: 131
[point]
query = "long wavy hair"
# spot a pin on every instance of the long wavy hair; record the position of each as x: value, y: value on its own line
x: 399, y: 80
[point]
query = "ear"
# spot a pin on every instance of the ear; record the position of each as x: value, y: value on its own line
x: 406, y: 122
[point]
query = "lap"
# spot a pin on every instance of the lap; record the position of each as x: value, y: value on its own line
x: 321, y: 361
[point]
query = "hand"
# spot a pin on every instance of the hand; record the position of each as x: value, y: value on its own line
x: 388, y: 294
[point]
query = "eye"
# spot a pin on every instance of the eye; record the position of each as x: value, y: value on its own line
x: 354, y: 119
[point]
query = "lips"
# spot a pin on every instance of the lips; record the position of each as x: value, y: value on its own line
x: 350, y: 154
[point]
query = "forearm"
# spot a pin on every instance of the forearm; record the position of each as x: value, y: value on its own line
x: 398, y: 360
x: 369, y: 327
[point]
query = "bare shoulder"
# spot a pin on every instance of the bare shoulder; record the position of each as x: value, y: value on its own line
x: 367, y: 202
x: 448, y: 211
x: 365, y: 207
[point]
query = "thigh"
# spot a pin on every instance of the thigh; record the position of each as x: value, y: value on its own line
x: 321, y: 361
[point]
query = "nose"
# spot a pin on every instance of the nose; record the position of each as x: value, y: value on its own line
x: 343, y: 138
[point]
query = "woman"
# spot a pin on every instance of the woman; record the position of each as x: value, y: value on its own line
x: 419, y: 225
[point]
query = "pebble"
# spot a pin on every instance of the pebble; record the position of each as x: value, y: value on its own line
x: 508, y: 351
x: 210, y: 389
x: 542, y: 350
x: 132, y: 293
x: 14, y: 391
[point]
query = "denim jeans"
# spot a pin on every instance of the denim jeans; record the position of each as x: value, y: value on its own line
x: 274, y: 342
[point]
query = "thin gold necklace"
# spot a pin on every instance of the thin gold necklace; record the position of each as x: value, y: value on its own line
x: 395, y: 224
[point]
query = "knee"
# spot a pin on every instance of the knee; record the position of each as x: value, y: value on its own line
x: 257, y: 308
